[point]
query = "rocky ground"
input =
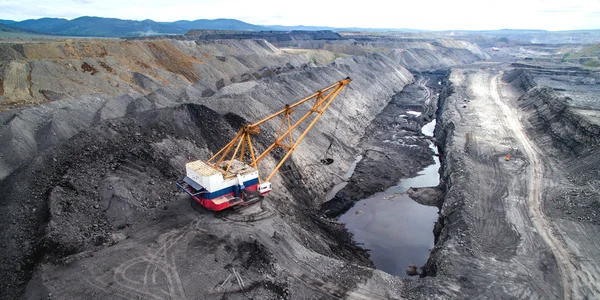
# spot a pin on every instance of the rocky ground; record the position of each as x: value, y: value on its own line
x: 523, y: 228
x: 505, y: 223
x: 99, y: 171
x: 394, y: 146
x: 89, y: 209
x: 112, y: 68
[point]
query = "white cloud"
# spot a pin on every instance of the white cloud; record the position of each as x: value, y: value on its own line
x: 434, y: 15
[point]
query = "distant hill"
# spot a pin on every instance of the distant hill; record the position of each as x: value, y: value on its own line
x: 218, y: 24
x: 7, y: 22
x: 44, y: 25
x: 110, y: 27
x: 10, y: 28
x: 95, y: 26
x: 6, y: 28
x: 107, y: 27
x: 10, y: 32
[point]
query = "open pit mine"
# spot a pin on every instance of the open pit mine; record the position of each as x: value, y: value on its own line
x: 224, y: 165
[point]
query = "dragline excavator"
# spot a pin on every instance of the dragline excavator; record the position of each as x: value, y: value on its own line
x: 231, y: 177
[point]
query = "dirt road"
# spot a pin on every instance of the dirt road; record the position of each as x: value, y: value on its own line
x: 541, y: 222
x: 488, y: 239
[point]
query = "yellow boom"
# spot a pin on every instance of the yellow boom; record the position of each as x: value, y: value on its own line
x: 285, y: 140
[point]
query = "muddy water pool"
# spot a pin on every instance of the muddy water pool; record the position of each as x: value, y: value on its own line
x: 396, y: 229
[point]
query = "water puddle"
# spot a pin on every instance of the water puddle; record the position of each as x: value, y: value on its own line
x: 396, y: 229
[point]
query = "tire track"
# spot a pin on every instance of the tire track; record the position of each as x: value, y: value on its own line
x: 541, y: 222
x: 160, y: 261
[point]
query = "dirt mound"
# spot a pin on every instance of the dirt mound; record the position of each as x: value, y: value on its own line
x: 34, y: 72
x: 107, y: 177
x: 98, y: 168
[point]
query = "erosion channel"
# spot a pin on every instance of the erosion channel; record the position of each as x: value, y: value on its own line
x: 395, y: 229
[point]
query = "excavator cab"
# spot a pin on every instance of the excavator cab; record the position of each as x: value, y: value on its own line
x: 264, y: 188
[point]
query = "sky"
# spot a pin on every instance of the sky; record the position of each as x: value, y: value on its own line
x: 413, y: 14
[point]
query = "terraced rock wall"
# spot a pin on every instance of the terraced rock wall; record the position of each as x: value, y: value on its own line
x: 414, y: 54
x: 34, y: 73
x: 572, y: 129
x: 95, y: 163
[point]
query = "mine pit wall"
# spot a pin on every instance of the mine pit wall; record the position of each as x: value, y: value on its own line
x: 375, y: 79
x: 122, y: 78
x: 443, y: 130
x: 553, y: 122
x: 32, y: 134
x: 565, y: 134
x: 552, y: 114
x: 418, y: 55
x: 114, y: 68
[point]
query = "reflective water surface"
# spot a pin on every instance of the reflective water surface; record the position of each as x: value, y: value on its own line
x: 396, y: 229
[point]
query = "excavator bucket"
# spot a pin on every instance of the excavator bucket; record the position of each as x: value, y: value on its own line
x: 327, y: 161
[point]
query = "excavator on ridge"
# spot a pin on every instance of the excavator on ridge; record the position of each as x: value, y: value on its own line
x: 231, y: 177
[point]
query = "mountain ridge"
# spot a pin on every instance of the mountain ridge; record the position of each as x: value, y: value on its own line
x: 89, y: 26
x: 113, y: 27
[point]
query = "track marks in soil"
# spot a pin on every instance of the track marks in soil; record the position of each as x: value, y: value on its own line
x: 543, y: 225
x: 158, y: 267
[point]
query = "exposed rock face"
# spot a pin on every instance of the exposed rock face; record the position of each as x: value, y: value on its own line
x: 415, y: 54
x: 520, y: 79
x: 567, y: 129
x: 571, y: 131
x: 96, y: 163
x: 41, y: 72
x: 422, y: 56
x: 271, y: 36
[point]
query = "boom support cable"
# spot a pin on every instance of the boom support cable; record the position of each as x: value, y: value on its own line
x: 242, y: 140
x: 326, y: 159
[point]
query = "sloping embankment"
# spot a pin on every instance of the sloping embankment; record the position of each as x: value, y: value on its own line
x: 414, y: 54
x: 564, y: 120
x: 572, y: 131
x: 570, y: 135
x: 91, y: 165
x: 33, y: 73
x: 439, y: 54
x: 485, y: 244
